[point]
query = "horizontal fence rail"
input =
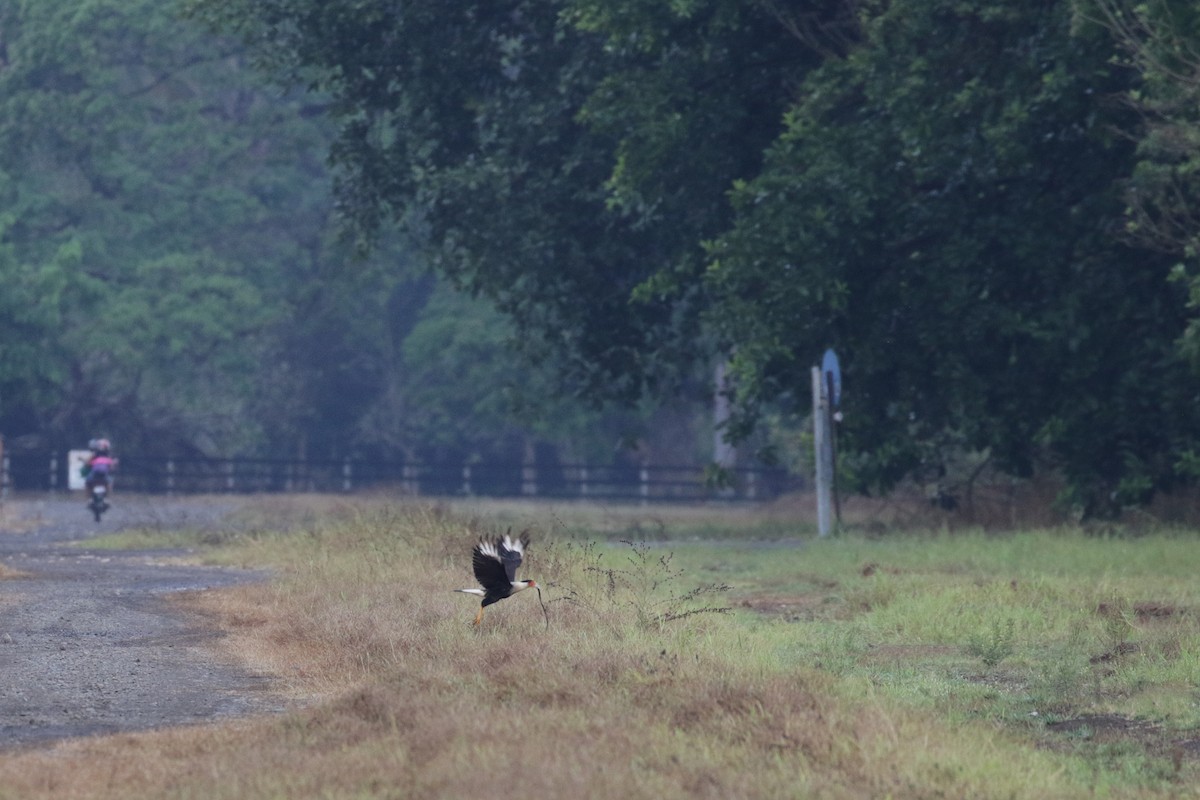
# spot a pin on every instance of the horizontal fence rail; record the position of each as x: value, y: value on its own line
x: 646, y: 483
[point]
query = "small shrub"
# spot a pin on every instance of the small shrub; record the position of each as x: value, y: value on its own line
x: 993, y: 645
x: 647, y: 584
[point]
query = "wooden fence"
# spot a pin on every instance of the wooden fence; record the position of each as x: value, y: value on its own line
x: 644, y: 483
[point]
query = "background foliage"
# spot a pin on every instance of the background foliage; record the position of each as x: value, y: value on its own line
x: 174, y: 276
x: 986, y: 208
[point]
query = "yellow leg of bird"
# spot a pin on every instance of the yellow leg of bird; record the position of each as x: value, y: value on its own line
x: 479, y: 616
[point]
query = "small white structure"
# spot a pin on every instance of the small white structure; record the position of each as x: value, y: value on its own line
x: 75, y: 461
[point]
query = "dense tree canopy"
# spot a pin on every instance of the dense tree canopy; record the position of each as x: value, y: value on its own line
x: 936, y: 188
x: 988, y: 209
x: 552, y: 151
x: 943, y: 206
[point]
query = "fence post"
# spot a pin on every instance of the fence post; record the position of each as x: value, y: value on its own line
x: 644, y: 480
x: 170, y: 477
x: 529, y: 472
x: 229, y: 467
x: 3, y: 471
x: 466, y: 475
x: 346, y: 482
x: 53, y: 472
x: 583, y: 481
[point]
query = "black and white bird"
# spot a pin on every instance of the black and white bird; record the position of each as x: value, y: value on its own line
x: 495, y: 562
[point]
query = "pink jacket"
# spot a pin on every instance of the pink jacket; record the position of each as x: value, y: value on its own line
x: 102, y: 465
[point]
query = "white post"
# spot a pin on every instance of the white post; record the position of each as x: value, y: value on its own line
x: 823, y: 447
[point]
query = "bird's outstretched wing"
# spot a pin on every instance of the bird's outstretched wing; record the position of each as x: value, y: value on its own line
x: 512, y: 551
x: 489, y: 569
x: 495, y: 561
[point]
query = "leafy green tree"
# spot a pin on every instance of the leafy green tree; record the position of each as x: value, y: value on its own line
x: 176, y: 207
x: 1159, y: 42
x: 31, y: 308
x: 99, y: 135
x: 942, y: 209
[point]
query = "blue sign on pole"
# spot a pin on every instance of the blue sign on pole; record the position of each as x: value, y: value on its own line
x: 832, y: 374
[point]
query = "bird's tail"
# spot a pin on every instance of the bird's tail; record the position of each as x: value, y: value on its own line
x: 478, y: 592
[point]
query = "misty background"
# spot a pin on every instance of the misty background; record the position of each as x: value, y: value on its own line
x: 460, y: 231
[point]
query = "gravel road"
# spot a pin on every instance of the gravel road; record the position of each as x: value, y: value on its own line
x: 89, y: 643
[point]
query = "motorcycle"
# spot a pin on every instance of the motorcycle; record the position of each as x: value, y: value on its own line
x: 98, y: 503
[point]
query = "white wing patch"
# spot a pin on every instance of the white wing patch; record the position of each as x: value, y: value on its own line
x: 488, y: 547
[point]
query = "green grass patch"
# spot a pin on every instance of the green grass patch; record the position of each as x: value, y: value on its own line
x: 1033, y: 631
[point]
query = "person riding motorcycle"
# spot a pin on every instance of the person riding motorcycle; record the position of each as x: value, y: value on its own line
x: 99, y: 467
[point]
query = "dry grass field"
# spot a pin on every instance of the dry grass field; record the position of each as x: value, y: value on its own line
x: 684, y: 654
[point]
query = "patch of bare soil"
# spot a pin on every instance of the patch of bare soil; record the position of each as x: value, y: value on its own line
x: 1144, y: 612
x: 793, y: 608
x: 1121, y: 649
x: 89, y: 642
x: 909, y: 652
x: 1113, y: 729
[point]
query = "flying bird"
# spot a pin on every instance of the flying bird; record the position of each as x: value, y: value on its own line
x: 495, y: 562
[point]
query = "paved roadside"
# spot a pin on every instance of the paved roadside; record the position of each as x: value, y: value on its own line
x: 89, y: 643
